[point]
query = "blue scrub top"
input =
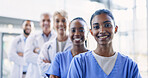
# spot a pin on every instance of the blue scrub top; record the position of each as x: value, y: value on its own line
x: 85, y: 66
x: 61, y: 63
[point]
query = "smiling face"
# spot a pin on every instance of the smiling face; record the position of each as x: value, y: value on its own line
x: 103, y: 29
x: 60, y: 24
x: 77, y: 32
x: 45, y: 23
x: 27, y: 27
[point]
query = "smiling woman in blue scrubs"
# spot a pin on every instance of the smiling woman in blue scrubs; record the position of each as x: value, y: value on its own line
x: 103, y: 62
x: 60, y: 66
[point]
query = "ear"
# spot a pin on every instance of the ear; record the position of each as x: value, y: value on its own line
x: 116, y: 29
x: 91, y: 31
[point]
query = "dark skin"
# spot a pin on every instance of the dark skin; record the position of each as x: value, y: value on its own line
x: 77, y: 37
x: 27, y: 28
x: 103, y: 30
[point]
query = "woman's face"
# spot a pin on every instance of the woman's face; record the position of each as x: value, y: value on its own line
x: 60, y: 24
x: 77, y: 32
x: 103, y: 29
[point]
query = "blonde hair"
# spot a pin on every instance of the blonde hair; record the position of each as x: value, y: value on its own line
x: 62, y: 13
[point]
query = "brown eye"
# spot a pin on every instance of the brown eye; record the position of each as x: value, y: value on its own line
x: 57, y: 21
x: 48, y: 20
x: 73, y: 30
x: 107, y: 25
x: 81, y: 30
x: 96, y: 27
x: 63, y: 20
x: 27, y: 25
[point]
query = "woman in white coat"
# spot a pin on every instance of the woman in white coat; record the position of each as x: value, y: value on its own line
x: 34, y: 44
x: 16, y: 52
x: 61, y: 43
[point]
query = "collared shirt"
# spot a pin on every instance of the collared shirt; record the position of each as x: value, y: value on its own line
x: 46, y: 38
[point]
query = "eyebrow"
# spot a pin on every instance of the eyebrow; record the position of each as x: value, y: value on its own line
x: 81, y: 28
x: 95, y: 23
x: 106, y: 21
x: 103, y: 22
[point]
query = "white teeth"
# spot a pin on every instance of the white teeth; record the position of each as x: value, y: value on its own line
x: 77, y: 39
x: 61, y: 27
x: 103, y: 37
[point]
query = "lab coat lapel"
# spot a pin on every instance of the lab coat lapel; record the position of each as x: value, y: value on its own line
x: 53, y: 49
x: 22, y: 42
x: 40, y: 41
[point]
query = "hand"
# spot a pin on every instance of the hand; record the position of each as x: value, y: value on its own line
x: 53, y: 76
x: 46, y: 61
x: 20, y: 54
x: 36, y: 50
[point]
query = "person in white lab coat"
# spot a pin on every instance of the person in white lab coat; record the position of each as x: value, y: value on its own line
x: 61, y: 43
x: 16, y: 52
x: 34, y: 44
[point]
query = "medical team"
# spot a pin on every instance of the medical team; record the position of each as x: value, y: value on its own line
x: 55, y: 54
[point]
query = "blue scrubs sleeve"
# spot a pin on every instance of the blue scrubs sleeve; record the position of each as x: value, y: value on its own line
x: 75, y: 69
x: 136, y: 73
x: 55, y: 67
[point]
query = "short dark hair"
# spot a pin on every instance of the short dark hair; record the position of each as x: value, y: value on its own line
x: 78, y: 18
x: 101, y: 11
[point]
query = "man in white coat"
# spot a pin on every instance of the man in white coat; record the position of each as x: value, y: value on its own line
x: 16, y: 52
x: 34, y: 44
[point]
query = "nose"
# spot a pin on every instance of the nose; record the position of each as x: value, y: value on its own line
x: 61, y: 24
x: 102, y: 30
x: 77, y: 32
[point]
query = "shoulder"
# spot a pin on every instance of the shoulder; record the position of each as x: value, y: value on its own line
x: 126, y: 60
x: 124, y: 57
x: 53, y: 34
x: 34, y: 36
x: 50, y: 42
x: 63, y: 54
x: 129, y: 65
x: 17, y: 38
x: 83, y: 56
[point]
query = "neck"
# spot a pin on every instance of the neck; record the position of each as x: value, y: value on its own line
x: 78, y: 49
x: 26, y: 35
x: 46, y: 33
x: 104, y: 50
x: 62, y: 38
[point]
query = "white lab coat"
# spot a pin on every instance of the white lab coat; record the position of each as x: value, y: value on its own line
x: 34, y: 41
x: 17, y: 45
x: 48, y: 52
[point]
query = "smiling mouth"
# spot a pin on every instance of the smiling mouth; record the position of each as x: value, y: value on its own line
x: 103, y: 37
x: 77, y: 39
x: 61, y: 28
x: 46, y: 26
